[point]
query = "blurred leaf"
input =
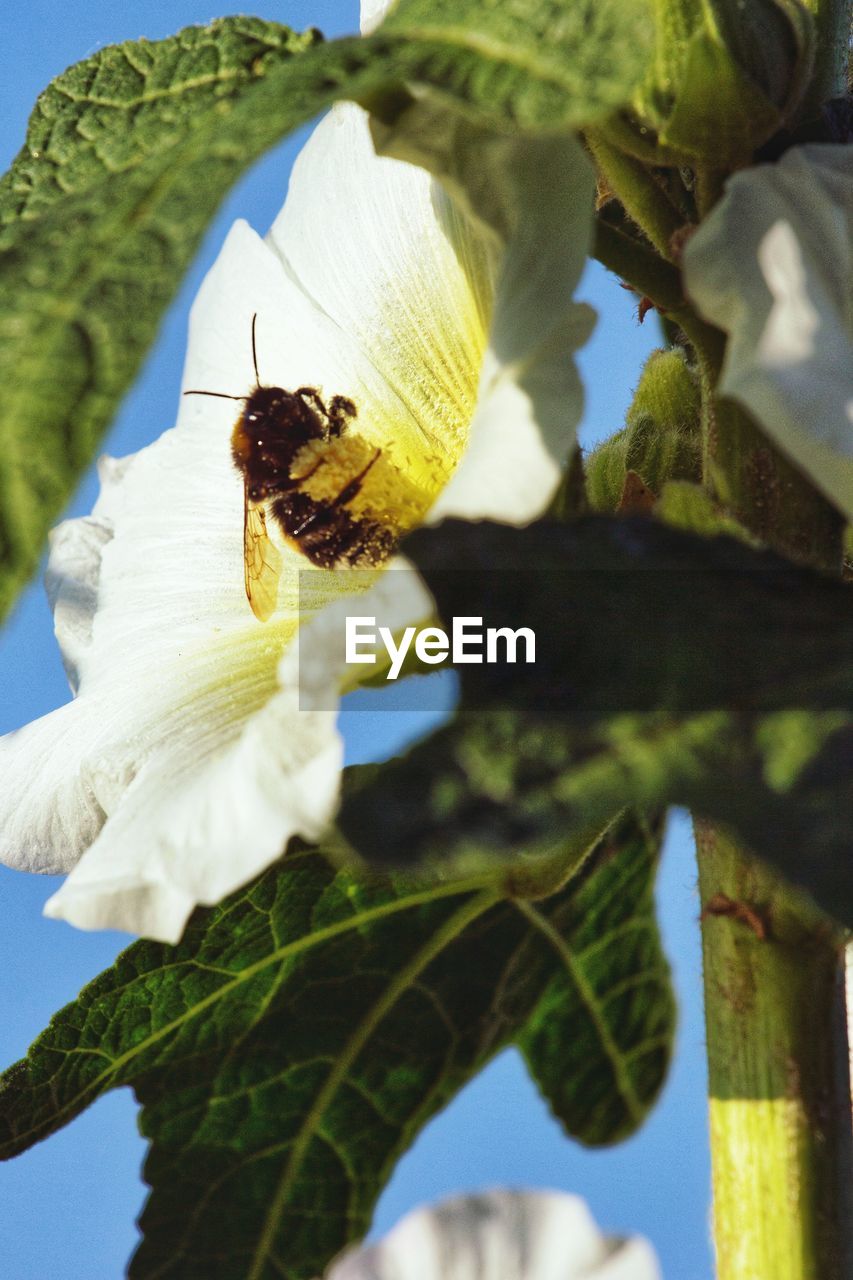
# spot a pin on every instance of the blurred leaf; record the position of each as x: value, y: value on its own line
x: 670, y: 669
x: 692, y: 508
x: 719, y: 115
x: 289, y: 1049
x: 129, y: 153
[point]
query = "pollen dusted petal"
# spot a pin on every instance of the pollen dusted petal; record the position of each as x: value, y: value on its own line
x: 386, y: 493
x: 384, y: 253
x: 532, y: 199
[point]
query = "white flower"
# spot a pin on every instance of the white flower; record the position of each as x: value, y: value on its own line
x: 501, y: 1235
x: 184, y: 764
x: 773, y: 266
x: 372, y: 13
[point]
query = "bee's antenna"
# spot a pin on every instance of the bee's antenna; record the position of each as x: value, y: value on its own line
x: 255, y: 350
x: 220, y: 395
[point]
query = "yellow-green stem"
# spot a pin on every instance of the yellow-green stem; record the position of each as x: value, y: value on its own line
x: 779, y: 1110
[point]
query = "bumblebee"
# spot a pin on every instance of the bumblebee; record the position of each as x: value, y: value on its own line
x: 282, y: 443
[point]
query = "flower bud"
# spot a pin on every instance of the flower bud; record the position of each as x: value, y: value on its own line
x: 727, y: 75
x: 661, y: 440
x: 668, y: 392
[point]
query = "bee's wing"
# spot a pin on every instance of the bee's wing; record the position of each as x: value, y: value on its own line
x: 261, y: 561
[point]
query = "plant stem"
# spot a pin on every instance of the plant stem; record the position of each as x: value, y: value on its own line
x: 638, y: 266
x: 643, y: 198
x: 779, y: 1115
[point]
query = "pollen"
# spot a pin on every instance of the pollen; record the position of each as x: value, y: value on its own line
x: 385, y: 495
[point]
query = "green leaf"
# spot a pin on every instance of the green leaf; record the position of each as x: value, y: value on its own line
x: 540, y: 64
x: 599, y: 1061
x: 669, y: 669
x: 126, y: 159
x: 129, y: 153
x: 290, y: 1048
x: 719, y: 116
x: 692, y: 507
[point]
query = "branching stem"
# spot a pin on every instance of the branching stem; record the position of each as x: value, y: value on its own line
x: 643, y: 198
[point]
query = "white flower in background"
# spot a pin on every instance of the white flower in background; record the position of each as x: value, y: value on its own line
x: 502, y: 1235
x: 773, y: 266
x: 184, y: 764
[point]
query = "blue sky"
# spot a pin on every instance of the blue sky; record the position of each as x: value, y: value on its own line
x: 68, y: 1207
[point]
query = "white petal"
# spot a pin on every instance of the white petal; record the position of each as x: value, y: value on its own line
x: 501, y: 1235
x: 49, y: 805
x: 372, y: 13
x: 521, y: 432
x: 195, y: 825
x: 174, y: 658
x: 71, y: 581
x: 533, y: 198
x: 74, y: 569
x: 316, y: 664
x: 773, y: 266
x: 174, y: 664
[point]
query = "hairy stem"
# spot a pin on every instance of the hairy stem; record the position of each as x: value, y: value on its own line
x: 643, y: 198
x: 779, y: 1107
x: 639, y: 267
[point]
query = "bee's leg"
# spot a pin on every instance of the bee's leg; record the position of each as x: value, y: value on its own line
x: 352, y: 487
x: 341, y: 411
x: 300, y: 480
x: 349, y: 491
x: 312, y: 396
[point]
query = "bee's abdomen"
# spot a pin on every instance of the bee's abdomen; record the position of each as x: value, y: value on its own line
x: 329, y: 536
